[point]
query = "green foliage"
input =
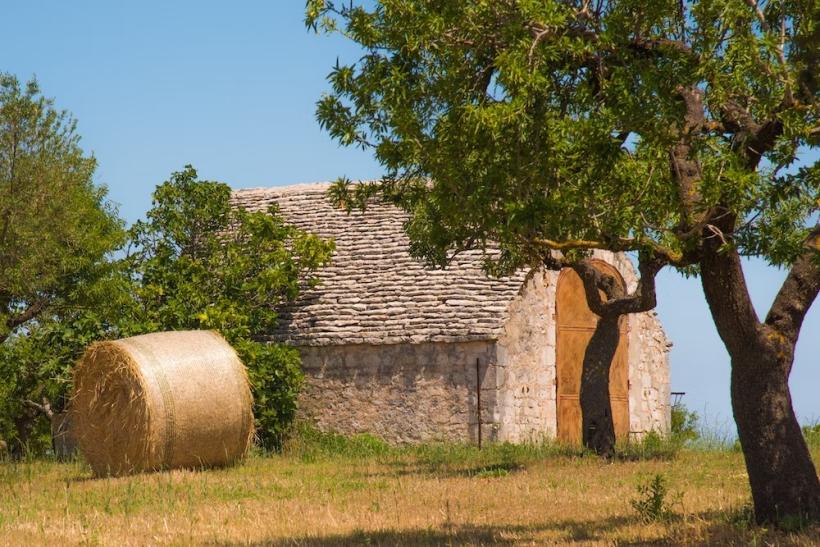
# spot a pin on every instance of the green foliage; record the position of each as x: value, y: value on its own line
x: 651, y: 504
x: 56, y: 226
x: 652, y: 446
x: 684, y: 423
x: 194, y: 263
x: 56, y: 233
x: 198, y: 263
x: 310, y: 444
x: 512, y: 123
x: 812, y: 434
x: 36, y: 366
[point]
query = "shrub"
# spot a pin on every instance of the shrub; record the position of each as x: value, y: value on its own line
x: 197, y: 262
x: 684, y: 423
x: 651, y: 503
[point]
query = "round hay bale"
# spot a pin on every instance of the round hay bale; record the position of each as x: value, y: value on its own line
x: 161, y: 401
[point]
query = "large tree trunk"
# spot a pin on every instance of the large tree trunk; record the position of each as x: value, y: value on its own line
x: 781, y: 473
x: 596, y: 408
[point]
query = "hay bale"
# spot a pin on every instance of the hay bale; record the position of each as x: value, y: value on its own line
x: 161, y: 401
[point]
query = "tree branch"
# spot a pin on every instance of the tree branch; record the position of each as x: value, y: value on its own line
x: 724, y: 286
x: 45, y: 407
x: 621, y: 244
x: 644, y: 298
x: 594, y: 282
x: 685, y: 167
x: 29, y: 313
x: 764, y: 26
x: 798, y: 291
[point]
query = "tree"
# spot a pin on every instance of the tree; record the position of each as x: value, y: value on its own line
x: 56, y: 231
x: 667, y: 129
x: 56, y: 226
x: 196, y: 262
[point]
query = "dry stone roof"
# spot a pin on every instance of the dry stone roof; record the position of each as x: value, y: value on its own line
x: 374, y: 292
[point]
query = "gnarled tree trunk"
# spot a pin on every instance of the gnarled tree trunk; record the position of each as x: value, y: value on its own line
x: 782, y: 475
x: 607, y: 298
x: 598, y: 429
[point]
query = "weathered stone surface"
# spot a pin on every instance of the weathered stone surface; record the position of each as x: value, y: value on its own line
x: 400, y: 392
x: 389, y: 346
x: 384, y: 295
x: 526, y: 354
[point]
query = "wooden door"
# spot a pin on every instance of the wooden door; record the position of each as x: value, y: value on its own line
x: 575, y: 326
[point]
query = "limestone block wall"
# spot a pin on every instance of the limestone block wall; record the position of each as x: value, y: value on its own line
x: 427, y: 391
x: 649, y: 397
x: 526, y: 364
x: 403, y: 393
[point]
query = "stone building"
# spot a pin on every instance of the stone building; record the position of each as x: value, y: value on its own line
x: 406, y: 352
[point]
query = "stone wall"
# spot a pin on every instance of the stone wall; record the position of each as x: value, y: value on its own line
x: 427, y: 391
x: 649, y: 397
x: 401, y: 392
x: 526, y: 364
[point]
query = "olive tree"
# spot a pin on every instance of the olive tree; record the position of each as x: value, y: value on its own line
x: 669, y: 129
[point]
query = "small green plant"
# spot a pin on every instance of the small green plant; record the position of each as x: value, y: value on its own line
x: 651, y: 503
x: 684, y: 423
x: 310, y: 444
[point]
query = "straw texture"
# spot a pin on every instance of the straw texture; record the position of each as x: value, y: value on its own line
x: 162, y: 400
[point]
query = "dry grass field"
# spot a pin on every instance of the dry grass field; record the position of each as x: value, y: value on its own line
x: 361, y: 492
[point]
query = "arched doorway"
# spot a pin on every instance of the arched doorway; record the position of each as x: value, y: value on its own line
x: 575, y: 325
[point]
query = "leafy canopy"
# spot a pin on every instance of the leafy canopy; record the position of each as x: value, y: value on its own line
x: 57, y: 231
x: 56, y: 226
x: 566, y: 125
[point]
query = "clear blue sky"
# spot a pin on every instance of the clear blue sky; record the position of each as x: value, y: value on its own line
x: 230, y: 87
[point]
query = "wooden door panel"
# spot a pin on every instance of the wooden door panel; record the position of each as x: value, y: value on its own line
x: 620, y: 416
x: 571, y: 291
x: 575, y: 326
x: 569, y: 419
x: 571, y: 352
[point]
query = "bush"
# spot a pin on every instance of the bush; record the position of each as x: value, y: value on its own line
x: 197, y: 262
x: 651, y: 503
x: 684, y: 423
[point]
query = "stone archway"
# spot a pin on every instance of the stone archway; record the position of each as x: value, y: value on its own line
x: 575, y: 326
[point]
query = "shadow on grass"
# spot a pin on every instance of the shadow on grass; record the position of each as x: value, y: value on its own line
x: 720, y: 529
x: 490, y: 470
x: 462, y: 535
x: 736, y: 526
